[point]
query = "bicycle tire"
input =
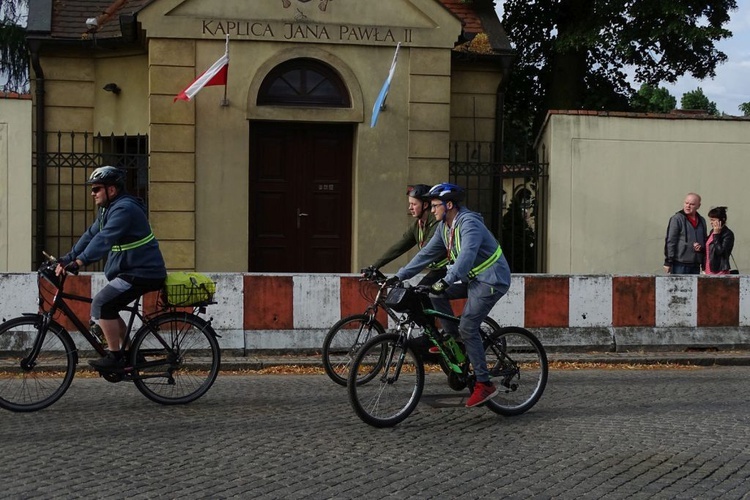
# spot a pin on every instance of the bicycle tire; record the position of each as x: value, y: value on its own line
x: 518, y: 366
x: 37, y: 387
x: 341, y: 344
x: 175, y: 358
x: 382, y: 400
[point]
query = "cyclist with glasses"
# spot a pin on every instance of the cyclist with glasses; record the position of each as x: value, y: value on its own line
x: 476, y: 270
x: 135, y: 265
x: 419, y: 233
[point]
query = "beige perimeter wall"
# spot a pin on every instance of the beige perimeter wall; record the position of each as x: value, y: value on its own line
x: 15, y: 185
x: 615, y: 181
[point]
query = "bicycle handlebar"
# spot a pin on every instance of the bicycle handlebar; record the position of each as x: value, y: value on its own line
x: 424, y: 289
x: 372, y: 274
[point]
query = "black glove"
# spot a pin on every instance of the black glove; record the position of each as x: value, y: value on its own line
x: 73, y: 267
x: 439, y: 287
x: 393, y: 280
x: 368, y: 272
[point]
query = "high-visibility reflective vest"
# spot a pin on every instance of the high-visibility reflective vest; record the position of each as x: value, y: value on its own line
x: 455, y: 249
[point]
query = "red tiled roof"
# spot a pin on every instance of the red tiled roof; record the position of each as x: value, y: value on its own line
x: 69, y: 17
x: 15, y: 95
x: 465, y: 12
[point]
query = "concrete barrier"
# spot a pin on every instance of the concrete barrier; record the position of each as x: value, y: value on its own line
x: 568, y: 313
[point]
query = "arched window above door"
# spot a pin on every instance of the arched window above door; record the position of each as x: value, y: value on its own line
x: 303, y: 82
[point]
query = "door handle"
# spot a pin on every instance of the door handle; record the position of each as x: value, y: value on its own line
x: 299, y: 216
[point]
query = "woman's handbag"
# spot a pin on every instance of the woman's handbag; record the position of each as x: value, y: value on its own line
x: 735, y: 270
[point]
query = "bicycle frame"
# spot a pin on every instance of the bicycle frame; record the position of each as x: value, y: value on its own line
x: 449, y: 349
x: 59, y: 304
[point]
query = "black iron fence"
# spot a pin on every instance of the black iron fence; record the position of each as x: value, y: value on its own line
x: 509, y: 195
x: 67, y: 206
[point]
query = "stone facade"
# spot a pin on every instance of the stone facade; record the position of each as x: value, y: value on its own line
x: 199, y: 150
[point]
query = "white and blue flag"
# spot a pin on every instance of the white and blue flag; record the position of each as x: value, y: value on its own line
x: 380, y: 101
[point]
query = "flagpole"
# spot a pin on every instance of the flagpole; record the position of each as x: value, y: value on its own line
x: 225, y: 101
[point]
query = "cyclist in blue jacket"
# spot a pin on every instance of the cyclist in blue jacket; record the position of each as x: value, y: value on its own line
x: 135, y: 265
x: 477, y: 270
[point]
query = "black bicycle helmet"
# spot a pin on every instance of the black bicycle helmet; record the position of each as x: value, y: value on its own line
x: 418, y: 191
x: 446, y: 191
x: 107, y: 175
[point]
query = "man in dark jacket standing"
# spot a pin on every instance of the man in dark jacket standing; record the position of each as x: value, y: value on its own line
x: 684, y: 249
x: 134, y: 265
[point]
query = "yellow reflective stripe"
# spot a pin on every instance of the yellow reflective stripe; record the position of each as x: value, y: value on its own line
x: 487, y: 263
x: 135, y: 244
x: 439, y: 264
x: 481, y: 267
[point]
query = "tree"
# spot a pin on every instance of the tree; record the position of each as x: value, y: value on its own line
x: 14, y: 58
x: 653, y: 100
x: 745, y: 108
x: 576, y: 54
x: 696, y: 99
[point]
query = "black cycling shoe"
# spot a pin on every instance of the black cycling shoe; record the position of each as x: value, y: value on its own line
x: 108, y: 362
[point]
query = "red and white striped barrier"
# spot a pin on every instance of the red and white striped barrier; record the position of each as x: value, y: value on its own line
x: 601, y: 312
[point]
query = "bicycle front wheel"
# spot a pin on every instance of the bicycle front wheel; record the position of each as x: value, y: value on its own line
x: 393, y: 383
x: 31, y: 383
x: 175, y: 358
x: 342, y: 342
x: 518, y: 366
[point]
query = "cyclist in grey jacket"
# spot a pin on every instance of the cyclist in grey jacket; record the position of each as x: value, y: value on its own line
x: 134, y: 265
x: 477, y: 270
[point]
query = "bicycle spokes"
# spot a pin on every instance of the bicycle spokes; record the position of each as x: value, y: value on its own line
x: 517, y: 363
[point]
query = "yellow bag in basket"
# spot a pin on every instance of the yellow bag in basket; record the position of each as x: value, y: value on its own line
x: 189, y: 289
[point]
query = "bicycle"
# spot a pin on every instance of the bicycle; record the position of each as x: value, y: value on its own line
x: 347, y: 335
x: 387, y: 376
x: 173, y: 357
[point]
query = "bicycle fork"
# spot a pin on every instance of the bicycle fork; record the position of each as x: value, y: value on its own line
x: 28, y: 363
x: 389, y: 377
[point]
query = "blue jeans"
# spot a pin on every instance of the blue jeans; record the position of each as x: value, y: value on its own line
x: 481, y: 298
x: 678, y: 268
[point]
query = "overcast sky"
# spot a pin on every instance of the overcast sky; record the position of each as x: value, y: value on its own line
x: 731, y: 86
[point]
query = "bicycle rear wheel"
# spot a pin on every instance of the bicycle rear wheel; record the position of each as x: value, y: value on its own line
x: 343, y: 341
x: 518, y: 366
x: 392, y: 393
x: 32, y: 384
x: 175, y: 358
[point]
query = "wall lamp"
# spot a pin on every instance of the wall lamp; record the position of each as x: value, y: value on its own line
x: 112, y: 87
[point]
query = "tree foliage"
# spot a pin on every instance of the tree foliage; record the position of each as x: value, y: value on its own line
x: 696, y: 99
x: 578, y: 54
x: 745, y: 108
x: 650, y: 99
x: 14, y: 58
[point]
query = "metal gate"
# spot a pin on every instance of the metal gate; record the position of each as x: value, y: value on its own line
x: 64, y: 208
x: 509, y: 195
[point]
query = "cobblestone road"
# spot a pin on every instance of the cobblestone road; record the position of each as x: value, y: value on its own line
x: 595, y: 434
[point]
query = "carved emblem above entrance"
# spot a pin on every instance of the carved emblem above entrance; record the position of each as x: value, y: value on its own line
x: 323, y: 5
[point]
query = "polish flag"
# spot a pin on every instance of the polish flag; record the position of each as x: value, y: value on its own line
x: 215, y: 75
